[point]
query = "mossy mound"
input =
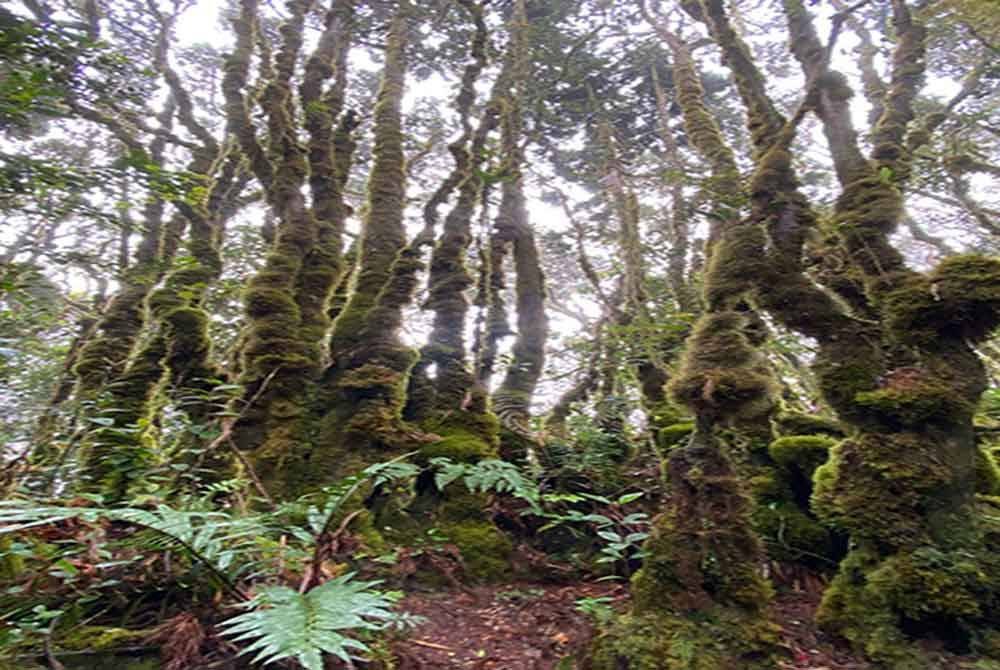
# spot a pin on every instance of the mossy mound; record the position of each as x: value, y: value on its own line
x: 878, y: 604
x: 798, y: 423
x: 714, y: 640
x: 485, y: 549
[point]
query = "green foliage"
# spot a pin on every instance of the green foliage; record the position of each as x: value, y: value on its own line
x: 487, y: 476
x: 232, y: 551
x: 215, y: 540
x: 598, y: 608
x: 284, y: 623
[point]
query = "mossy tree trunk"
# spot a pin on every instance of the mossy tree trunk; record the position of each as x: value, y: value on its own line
x: 453, y: 404
x: 906, y: 382
x: 145, y: 333
x: 287, y: 302
x: 703, y: 557
x: 512, y: 399
x: 364, y: 388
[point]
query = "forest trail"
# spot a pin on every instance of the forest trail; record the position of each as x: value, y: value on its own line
x: 502, y: 627
x: 529, y: 626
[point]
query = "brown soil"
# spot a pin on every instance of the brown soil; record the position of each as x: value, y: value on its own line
x: 533, y: 626
x: 509, y: 627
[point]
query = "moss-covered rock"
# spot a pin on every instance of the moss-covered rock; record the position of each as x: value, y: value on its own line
x: 485, y: 549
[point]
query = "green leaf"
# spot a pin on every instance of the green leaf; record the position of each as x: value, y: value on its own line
x: 283, y: 623
x: 630, y: 497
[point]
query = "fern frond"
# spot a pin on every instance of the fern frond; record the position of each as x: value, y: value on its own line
x: 488, y: 475
x: 213, y: 539
x: 284, y: 623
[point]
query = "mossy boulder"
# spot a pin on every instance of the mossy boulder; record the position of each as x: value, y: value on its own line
x: 485, y: 549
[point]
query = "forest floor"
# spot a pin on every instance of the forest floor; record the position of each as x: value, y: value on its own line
x: 530, y: 626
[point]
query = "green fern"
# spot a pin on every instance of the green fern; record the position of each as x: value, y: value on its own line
x: 488, y: 475
x: 212, y: 539
x: 284, y: 623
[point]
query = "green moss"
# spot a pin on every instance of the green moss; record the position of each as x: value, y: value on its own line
x: 951, y: 595
x: 460, y: 445
x: 959, y: 298
x: 723, y: 639
x: 112, y: 662
x: 688, y: 566
x: 913, y: 402
x: 767, y: 486
x: 801, y: 454
x: 842, y: 374
x: 672, y: 435
x: 878, y: 486
x: 987, y: 473
x: 101, y: 638
x: 485, y: 550
x: 737, y: 258
x: 861, y: 616
x: 797, y: 423
x: 721, y: 374
x: 791, y: 535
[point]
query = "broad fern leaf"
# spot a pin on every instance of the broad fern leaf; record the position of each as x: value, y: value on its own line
x: 284, y: 623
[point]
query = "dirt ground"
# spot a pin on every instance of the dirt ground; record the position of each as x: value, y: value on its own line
x: 533, y: 626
